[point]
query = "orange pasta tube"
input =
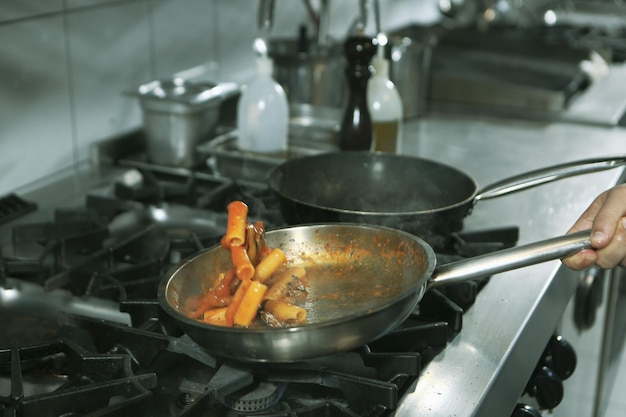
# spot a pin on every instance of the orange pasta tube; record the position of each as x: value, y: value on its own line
x: 269, y: 264
x: 216, y: 316
x: 250, y: 304
x: 285, y: 313
x: 236, y: 302
x: 280, y: 284
x: 217, y: 296
x: 243, y: 267
x: 236, y: 225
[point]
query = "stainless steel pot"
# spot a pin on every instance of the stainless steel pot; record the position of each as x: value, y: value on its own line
x: 310, y: 73
x: 363, y: 281
x: 410, y: 52
x: 179, y: 114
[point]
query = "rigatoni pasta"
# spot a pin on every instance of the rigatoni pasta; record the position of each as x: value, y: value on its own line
x: 259, y: 288
x: 216, y: 316
x: 281, y: 283
x: 285, y: 312
x: 242, y: 263
x: 250, y: 303
x: 236, y: 225
x: 270, y: 264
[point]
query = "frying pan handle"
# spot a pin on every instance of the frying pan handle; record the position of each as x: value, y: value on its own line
x: 509, y: 259
x: 548, y: 174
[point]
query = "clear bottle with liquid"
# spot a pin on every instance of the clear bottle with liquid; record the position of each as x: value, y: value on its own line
x: 263, y: 113
x: 385, y: 107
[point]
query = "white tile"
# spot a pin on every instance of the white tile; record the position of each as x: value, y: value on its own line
x: 109, y: 49
x: 74, y: 4
x: 20, y: 9
x: 35, y: 127
x: 185, y: 34
x: 235, y: 50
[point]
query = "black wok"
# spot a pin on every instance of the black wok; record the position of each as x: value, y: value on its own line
x: 417, y: 195
x: 364, y: 280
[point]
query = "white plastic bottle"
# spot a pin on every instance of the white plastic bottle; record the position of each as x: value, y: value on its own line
x: 263, y: 113
x: 385, y: 106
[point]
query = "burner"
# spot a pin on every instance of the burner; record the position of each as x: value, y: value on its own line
x: 256, y: 398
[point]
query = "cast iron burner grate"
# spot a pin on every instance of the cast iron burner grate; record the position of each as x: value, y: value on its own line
x: 13, y: 206
x: 177, y: 375
x: 367, y: 381
x: 76, y: 251
x: 77, y: 382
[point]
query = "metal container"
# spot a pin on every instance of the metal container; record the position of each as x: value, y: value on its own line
x: 178, y: 115
x: 409, y: 51
x: 309, y: 72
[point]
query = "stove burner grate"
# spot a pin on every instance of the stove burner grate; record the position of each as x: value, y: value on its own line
x: 79, y: 382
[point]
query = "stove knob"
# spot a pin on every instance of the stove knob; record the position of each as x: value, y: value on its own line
x: 523, y: 410
x: 560, y: 356
x: 546, y: 387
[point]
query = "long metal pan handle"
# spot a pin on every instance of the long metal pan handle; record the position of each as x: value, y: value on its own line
x: 508, y: 259
x: 544, y: 175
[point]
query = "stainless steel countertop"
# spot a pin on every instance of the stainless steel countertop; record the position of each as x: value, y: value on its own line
x: 484, y: 369
x: 603, y: 103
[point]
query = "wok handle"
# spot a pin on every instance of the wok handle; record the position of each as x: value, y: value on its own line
x: 509, y: 259
x: 549, y: 174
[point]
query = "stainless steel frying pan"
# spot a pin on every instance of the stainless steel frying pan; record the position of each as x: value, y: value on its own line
x: 364, y: 280
x: 421, y: 196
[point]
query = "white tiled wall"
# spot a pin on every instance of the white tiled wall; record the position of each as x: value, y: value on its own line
x: 65, y: 63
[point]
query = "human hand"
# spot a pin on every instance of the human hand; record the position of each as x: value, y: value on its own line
x: 606, y: 217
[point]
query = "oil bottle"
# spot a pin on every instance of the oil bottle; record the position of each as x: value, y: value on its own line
x: 384, y: 105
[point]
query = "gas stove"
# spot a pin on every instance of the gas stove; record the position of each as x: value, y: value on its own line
x: 485, y: 343
x: 85, y: 335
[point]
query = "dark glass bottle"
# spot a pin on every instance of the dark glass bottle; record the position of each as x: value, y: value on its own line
x: 356, y: 127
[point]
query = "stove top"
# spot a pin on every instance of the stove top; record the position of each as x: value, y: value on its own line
x: 86, y: 335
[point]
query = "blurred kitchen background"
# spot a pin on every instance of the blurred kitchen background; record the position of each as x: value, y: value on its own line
x: 65, y: 63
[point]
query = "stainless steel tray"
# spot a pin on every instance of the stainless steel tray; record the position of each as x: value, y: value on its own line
x: 312, y: 130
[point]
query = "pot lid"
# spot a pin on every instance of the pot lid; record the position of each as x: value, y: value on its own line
x: 184, y: 91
